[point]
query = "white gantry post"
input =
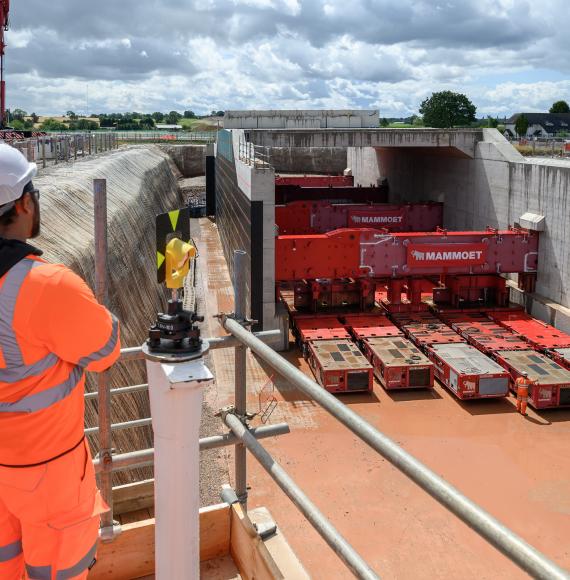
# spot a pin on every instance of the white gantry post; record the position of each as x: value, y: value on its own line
x: 176, y: 385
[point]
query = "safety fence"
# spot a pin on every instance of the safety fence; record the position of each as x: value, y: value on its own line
x: 62, y: 148
x: 544, y: 147
x: 166, y: 136
x: 247, y: 439
x: 255, y: 155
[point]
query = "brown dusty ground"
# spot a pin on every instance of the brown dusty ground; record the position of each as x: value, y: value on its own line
x: 518, y: 469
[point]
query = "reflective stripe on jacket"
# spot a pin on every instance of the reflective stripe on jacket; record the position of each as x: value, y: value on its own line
x: 523, y: 384
x: 52, y: 329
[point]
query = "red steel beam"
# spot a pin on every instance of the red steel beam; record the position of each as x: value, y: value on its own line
x: 362, y: 253
x: 320, y: 217
x: 315, y: 180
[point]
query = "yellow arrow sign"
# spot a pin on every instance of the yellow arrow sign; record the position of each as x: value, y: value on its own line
x: 174, y: 215
x: 159, y: 260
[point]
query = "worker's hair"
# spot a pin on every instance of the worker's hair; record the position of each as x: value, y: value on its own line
x: 9, y: 217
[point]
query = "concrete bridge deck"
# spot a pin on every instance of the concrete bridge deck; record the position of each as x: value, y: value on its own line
x: 462, y: 141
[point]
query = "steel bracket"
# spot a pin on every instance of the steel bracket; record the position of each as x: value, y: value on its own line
x: 108, y: 534
x: 231, y: 410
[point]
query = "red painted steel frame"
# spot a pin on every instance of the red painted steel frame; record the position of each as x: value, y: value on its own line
x: 359, y: 253
x: 541, y: 396
x: 467, y: 384
x: 319, y: 217
x: 392, y: 376
x: 315, y: 180
x: 482, y: 333
x: 539, y: 334
x: 4, y: 22
x: 480, y: 291
x: 424, y: 329
x: 370, y: 326
x: 307, y: 329
x: 337, y: 380
x: 427, y: 334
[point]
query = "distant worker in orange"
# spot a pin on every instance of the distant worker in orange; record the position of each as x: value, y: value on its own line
x: 523, y: 383
x: 52, y: 330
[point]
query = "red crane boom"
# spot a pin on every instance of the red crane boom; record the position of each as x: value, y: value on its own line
x: 4, y: 23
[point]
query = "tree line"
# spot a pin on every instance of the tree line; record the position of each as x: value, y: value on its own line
x: 22, y: 121
x: 446, y: 109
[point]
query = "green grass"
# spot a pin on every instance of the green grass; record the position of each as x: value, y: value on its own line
x: 197, y: 124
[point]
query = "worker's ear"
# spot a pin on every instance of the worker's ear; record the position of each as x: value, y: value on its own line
x: 25, y: 205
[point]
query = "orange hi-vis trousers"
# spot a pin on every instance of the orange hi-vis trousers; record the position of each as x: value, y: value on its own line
x: 522, y: 385
x: 49, y: 518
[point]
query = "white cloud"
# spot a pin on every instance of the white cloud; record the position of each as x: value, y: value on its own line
x: 19, y: 38
x: 204, y: 54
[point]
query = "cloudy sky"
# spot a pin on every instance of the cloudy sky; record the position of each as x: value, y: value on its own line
x: 159, y: 55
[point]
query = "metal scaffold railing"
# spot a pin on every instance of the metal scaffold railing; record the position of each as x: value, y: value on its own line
x: 52, y: 148
x: 257, y: 156
x: 245, y: 438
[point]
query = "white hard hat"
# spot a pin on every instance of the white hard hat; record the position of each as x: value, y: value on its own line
x: 15, y: 173
x: 525, y: 374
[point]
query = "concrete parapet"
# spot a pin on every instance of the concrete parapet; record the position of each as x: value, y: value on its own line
x: 300, y: 119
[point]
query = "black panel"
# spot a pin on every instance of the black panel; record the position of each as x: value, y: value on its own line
x: 419, y: 377
x: 537, y: 369
x: 564, y: 397
x: 210, y: 185
x: 257, y: 264
x: 358, y: 381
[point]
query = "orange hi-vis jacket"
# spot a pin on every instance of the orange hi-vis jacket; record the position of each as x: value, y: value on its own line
x: 523, y: 385
x: 52, y: 329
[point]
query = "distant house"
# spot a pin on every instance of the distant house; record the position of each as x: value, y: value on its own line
x: 542, y: 125
x: 169, y: 127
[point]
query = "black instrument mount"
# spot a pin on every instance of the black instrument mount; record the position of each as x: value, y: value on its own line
x: 174, y: 331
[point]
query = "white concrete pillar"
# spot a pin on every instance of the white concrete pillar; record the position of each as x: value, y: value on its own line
x: 176, y: 390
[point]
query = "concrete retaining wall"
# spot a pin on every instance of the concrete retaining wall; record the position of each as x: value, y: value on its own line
x: 190, y: 159
x: 245, y: 207
x: 140, y: 184
x: 329, y: 161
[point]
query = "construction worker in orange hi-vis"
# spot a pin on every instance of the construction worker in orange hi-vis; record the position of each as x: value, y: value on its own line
x: 522, y: 383
x: 52, y: 330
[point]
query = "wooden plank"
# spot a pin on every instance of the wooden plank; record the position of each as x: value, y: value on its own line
x: 131, y: 555
x: 133, y: 497
x: 214, y: 531
x: 280, y: 550
x: 138, y: 516
x: 248, y: 550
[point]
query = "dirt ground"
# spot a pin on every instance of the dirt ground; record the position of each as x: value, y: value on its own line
x: 518, y: 469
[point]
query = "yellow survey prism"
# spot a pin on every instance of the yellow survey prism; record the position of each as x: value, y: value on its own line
x: 178, y: 257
